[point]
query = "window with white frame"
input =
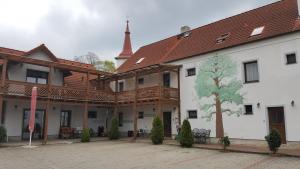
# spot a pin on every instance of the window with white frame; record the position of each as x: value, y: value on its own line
x: 291, y: 58
x: 192, y: 114
x: 251, y: 72
x: 191, y: 72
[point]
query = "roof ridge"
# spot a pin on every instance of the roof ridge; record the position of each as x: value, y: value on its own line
x: 242, y: 13
x: 12, y: 49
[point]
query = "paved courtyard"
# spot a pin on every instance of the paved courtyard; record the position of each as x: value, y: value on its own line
x: 118, y: 155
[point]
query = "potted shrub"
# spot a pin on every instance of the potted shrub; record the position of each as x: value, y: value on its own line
x: 3, y: 134
x: 274, y: 140
x: 157, y: 131
x: 85, y: 137
x: 225, y: 142
x: 114, y: 129
x: 186, y: 135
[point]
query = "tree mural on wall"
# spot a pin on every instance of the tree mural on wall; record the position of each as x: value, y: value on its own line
x: 218, y: 90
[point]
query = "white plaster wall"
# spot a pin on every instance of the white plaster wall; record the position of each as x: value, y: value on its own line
x: 150, y: 80
x: 146, y: 122
x: 278, y: 86
x: 18, y: 72
x: 14, y: 115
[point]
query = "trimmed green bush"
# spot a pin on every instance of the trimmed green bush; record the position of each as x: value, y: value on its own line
x: 85, y: 137
x: 186, y: 135
x: 2, y: 134
x: 274, y: 140
x: 114, y: 129
x: 157, y: 131
x: 225, y: 142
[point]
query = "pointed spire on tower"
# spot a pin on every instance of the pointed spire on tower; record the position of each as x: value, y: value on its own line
x: 127, y: 50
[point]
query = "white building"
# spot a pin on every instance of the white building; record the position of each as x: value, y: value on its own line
x: 263, y: 42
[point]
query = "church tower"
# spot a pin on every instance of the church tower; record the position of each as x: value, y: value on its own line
x: 127, y: 50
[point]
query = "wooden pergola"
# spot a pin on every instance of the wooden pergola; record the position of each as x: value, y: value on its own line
x: 159, y: 95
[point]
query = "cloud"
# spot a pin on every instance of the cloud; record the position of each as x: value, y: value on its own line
x: 75, y: 27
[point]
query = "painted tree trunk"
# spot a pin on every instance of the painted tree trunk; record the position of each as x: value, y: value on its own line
x: 219, y: 119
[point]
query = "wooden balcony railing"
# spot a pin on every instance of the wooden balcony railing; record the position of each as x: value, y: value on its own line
x: 16, y: 88
x: 148, y: 93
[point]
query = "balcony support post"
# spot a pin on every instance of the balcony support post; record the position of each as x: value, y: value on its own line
x: 4, y: 69
x: 159, y: 100
x: 135, y: 114
x: 85, y: 113
x: 1, y: 111
x: 116, y: 98
x: 178, y: 101
x: 48, y: 105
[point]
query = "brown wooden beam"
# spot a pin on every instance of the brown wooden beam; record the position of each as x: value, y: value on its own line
x: 135, y: 116
x: 4, y: 69
x: 179, y: 106
x: 46, y: 122
x: 85, y: 116
x: 1, y: 111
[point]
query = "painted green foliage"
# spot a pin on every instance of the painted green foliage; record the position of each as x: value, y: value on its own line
x: 217, y: 88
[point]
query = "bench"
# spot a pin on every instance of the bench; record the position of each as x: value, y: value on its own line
x: 201, y: 135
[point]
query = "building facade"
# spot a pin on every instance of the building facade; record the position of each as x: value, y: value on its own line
x: 162, y: 79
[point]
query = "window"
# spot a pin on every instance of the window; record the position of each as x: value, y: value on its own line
x: 291, y: 58
x: 251, y: 72
x: 191, y: 72
x: 120, y: 119
x: 121, y: 86
x: 192, y: 114
x: 222, y: 38
x: 141, y: 115
x: 35, y: 76
x: 257, y: 31
x: 167, y: 79
x: 92, y: 114
x: 141, y: 81
x: 140, y: 60
x: 248, y: 109
x: 65, y: 119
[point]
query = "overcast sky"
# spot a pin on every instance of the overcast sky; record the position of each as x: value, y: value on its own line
x: 74, y: 27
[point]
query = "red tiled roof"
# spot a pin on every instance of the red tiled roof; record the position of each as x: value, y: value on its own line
x: 278, y: 18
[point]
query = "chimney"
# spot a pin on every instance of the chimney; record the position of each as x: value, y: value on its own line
x: 185, y: 29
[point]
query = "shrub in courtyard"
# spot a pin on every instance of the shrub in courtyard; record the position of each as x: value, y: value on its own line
x: 85, y: 137
x: 2, y: 134
x: 114, y: 129
x: 274, y: 140
x: 225, y: 142
x: 157, y: 131
x: 186, y: 135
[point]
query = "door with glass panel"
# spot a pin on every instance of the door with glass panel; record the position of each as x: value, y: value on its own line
x: 38, y: 132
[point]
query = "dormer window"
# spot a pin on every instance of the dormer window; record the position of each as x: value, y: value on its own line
x: 140, y: 60
x: 257, y: 31
x: 222, y: 38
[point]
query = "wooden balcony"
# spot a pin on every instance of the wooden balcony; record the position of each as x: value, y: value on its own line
x: 23, y: 89
x: 148, y: 94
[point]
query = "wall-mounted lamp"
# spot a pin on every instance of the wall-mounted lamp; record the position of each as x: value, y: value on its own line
x: 258, y: 105
x: 293, y: 103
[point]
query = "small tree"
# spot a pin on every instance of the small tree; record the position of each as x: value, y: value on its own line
x: 225, y: 142
x: 114, y: 129
x: 274, y: 140
x: 85, y: 137
x: 2, y: 134
x: 157, y: 131
x: 186, y: 135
